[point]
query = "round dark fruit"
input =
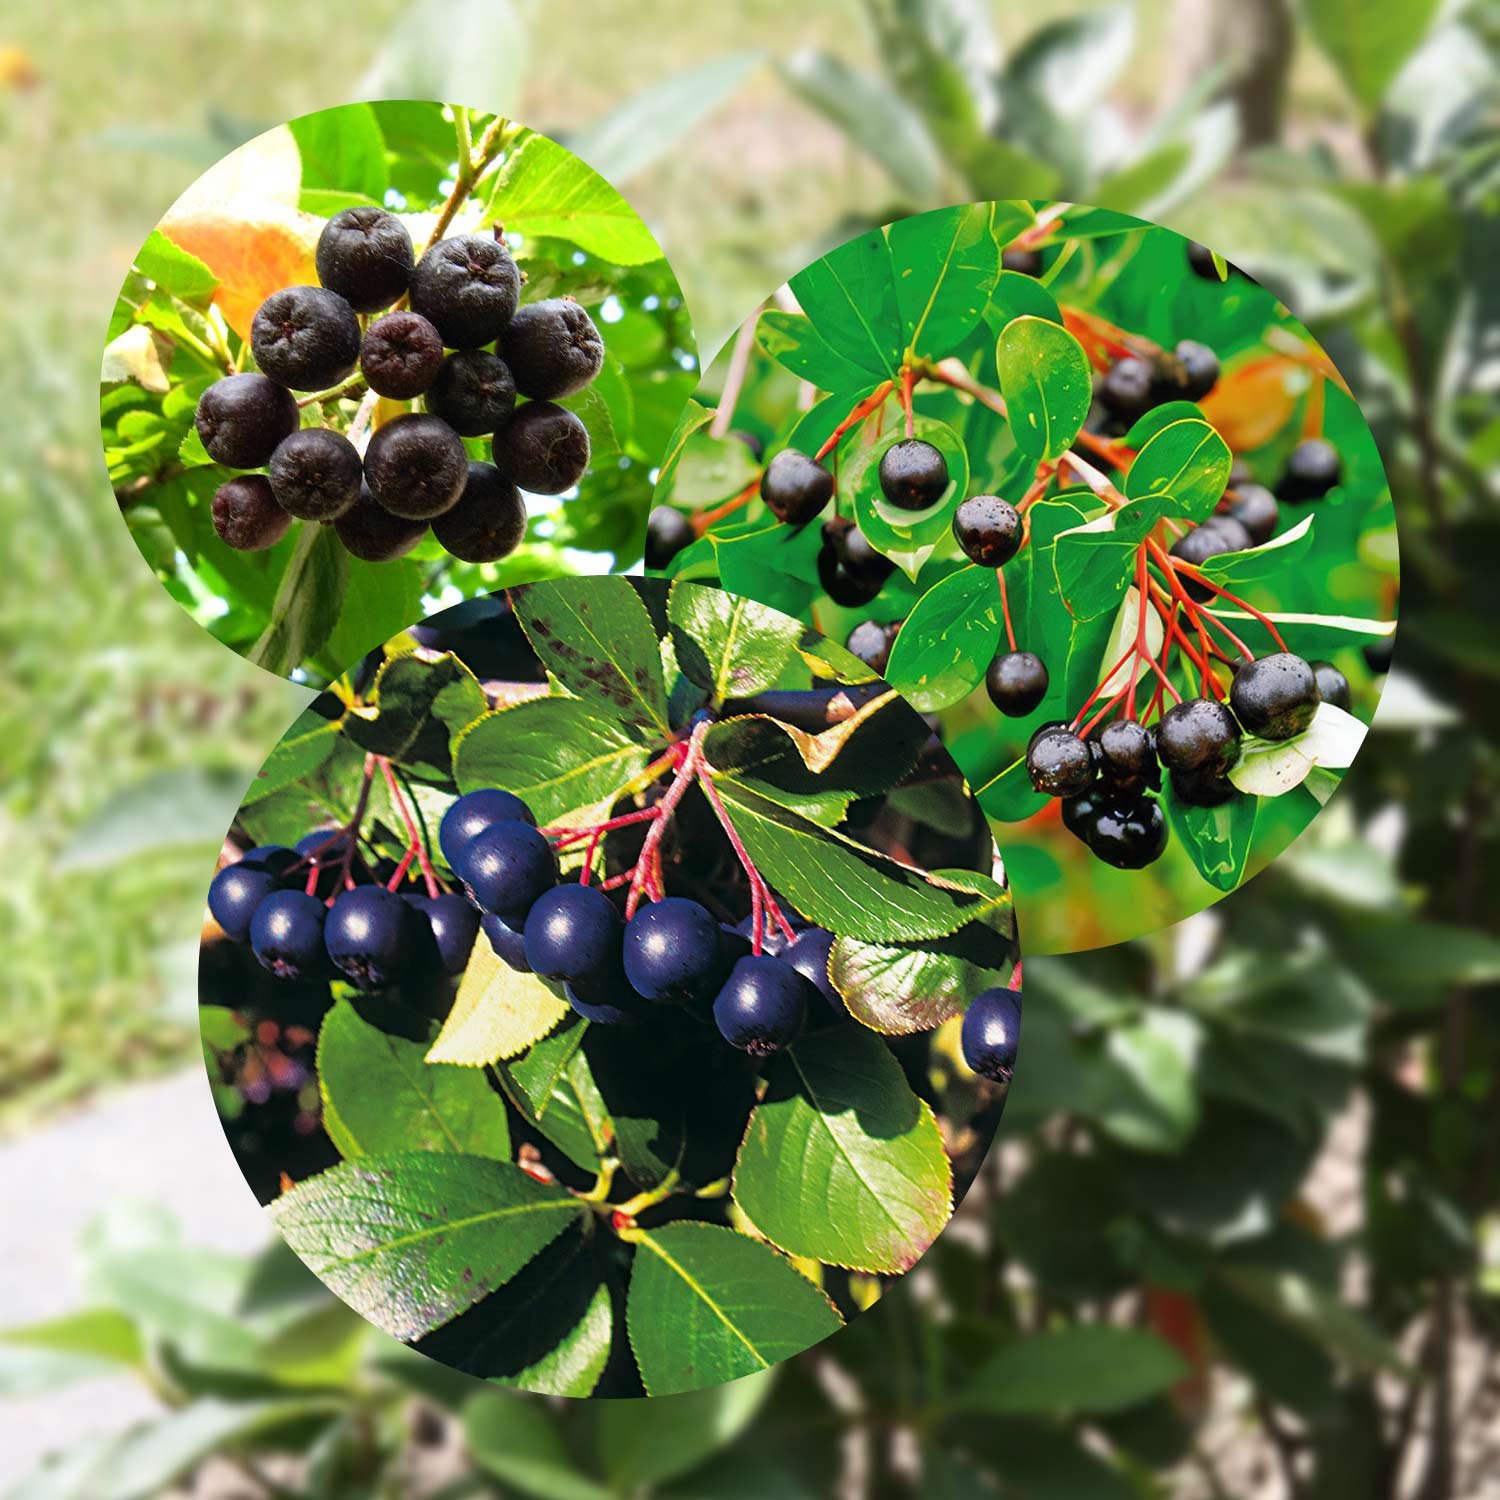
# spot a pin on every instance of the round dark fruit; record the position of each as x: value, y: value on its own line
x: 366, y: 256
x: 607, y: 999
x: 454, y: 924
x: 762, y: 1006
x: 401, y: 355
x: 246, y: 515
x: 472, y: 813
x: 489, y: 521
x: 668, y: 532
x: 672, y: 951
x: 1312, y: 469
x: 1060, y: 763
x: 553, y: 349
x: 234, y: 895
x: 467, y: 287
x: 506, y: 942
x: 242, y: 418
x: 369, y: 934
x: 276, y: 858
x: 505, y: 868
x: 1201, y: 261
x: 1215, y: 537
x: 840, y: 584
x: 1200, y: 368
x: 286, y: 935
x: 987, y: 530
x: 1240, y: 473
x: 1380, y: 653
x: 543, y: 448
x: 1078, y: 813
x: 809, y: 956
x: 371, y: 533
x: 861, y: 560
x: 305, y: 337
x: 1333, y: 686
x: 795, y: 487
x: 322, y: 850
x: 1198, y: 737
x: 1016, y: 682
x: 315, y: 474
x: 991, y: 1033
x: 871, y: 643
x: 1255, y: 508
x: 1129, y: 834
x: 913, y: 474
x: 1200, y: 789
x: 1027, y: 262
x: 473, y: 392
x: 1127, y: 755
x: 416, y: 466
x: 1275, y: 696
x: 572, y: 933
x: 1128, y: 388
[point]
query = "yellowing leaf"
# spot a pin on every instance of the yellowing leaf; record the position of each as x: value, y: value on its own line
x: 139, y: 355
x: 498, y: 1013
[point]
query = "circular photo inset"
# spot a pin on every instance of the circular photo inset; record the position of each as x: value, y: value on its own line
x: 381, y: 359
x: 1094, y: 498
x: 611, y: 988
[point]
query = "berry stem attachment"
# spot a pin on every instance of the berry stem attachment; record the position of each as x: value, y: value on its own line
x: 862, y: 409
x: 908, y: 380
x: 1010, y: 632
x: 429, y: 875
x: 643, y: 874
x: 762, y: 902
x: 1170, y: 564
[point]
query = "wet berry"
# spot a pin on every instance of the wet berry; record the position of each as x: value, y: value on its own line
x: 796, y: 488
x: 988, y: 530
x: 1199, y: 737
x: 1130, y: 833
x: 1060, y: 763
x: 1275, y: 696
x: 1016, y: 682
x: 913, y: 474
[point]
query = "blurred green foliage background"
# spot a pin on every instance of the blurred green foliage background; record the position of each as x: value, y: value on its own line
x: 1243, y: 1235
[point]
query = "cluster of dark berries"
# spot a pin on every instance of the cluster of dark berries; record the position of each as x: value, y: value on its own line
x: 1135, y: 383
x: 462, y: 345
x: 670, y: 953
x: 315, y: 912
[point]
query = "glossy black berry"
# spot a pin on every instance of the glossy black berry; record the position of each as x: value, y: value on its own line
x: 366, y: 256
x: 668, y: 532
x: 1027, y: 262
x: 370, y: 934
x: 572, y: 933
x: 489, y: 521
x: 991, y: 1033
x: 1128, y: 388
x: 913, y: 474
x: 234, y: 895
x: 472, y: 813
x: 840, y: 584
x: 416, y: 466
x: 543, y: 448
x: 861, y: 560
x: 673, y: 952
x: 505, y: 868
x: 988, y: 530
x: 506, y: 942
x: 246, y: 515
x: 286, y: 935
x: 1078, y: 813
x: 1380, y: 653
x: 276, y: 858
x: 1198, y: 737
x: 316, y: 474
x: 401, y: 355
x: 871, y: 642
x: 1255, y: 508
x: 553, y: 349
x: 1333, y: 686
x: 1127, y: 756
x: 371, y: 533
x: 1201, y: 789
x: 453, y: 923
x: 1016, y: 682
x: 322, y: 850
x: 1200, y: 368
x: 1275, y: 696
x: 1060, y: 763
x: 607, y: 999
x: 1312, y: 469
x: 762, y: 1006
x: 809, y: 956
x: 305, y: 337
x: 796, y: 488
x: 1215, y: 537
x: 1130, y: 833
x: 242, y: 418
x: 474, y: 392
x: 1201, y: 261
x: 467, y: 287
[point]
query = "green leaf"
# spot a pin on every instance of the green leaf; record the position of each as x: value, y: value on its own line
x: 303, y: 750
x: 386, y: 1097
x: 1018, y: 295
x: 1216, y: 839
x: 842, y: 1162
x: 1368, y: 47
x: 1158, y: 417
x: 1094, y: 562
x: 906, y: 537
x: 595, y: 637
x: 1187, y: 461
x: 556, y: 754
x: 708, y: 469
x: 173, y: 269
x: 342, y: 149
x: 944, y: 265
x: 707, y: 1305
x: 517, y: 1441
x: 498, y: 1013
x: 79, y: 1346
x: 408, y: 694
x: 409, y: 1240
x: 728, y: 645
x: 308, y: 602
x: 795, y: 344
x: 1047, y: 384
x: 1265, y: 561
x: 849, y: 295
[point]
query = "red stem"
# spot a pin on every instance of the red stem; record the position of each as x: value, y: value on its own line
x: 759, y: 892
x: 908, y: 379
x: 643, y: 874
x: 1010, y: 633
x: 861, y: 410
x: 706, y: 518
x: 429, y: 875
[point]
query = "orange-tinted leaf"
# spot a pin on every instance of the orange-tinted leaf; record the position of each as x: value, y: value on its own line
x: 1254, y: 401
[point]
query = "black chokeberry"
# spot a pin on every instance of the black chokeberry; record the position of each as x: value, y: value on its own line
x: 553, y: 349
x: 1078, y: 813
x: 913, y: 474
x: 1215, y: 537
x: 305, y: 337
x: 762, y: 1006
x: 370, y: 934
x: 416, y: 466
x: 1200, y: 368
x: 316, y: 474
x: 1255, y: 508
x: 543, y: 448
x: 796, y: 488
x: 467, y: 287
x: 371, y: 533
x: 1027, y: 262
x: 608, y: 999
x: 242, y: 418
x: 400, y: 355
x: 1312, y: 469
x: 489, y: 521
x: 453, y: 923
x: 286, y: 935
x: 1127, y: 756
x: 991, y: 1033
x: 365, y: 255
x: 987, y: 530
x: 1016, y: 682
x: 871, y: 642
x: 1275, y: 696
x: 1198, y: 737
x: 668, y: 532
x: 861, y: 560
x: 1202, y: 789
x: 472, y: 813
x: 473, y: 392
x: 840, y: 584
x: 276, y: 858
x: 1060, y: 763
x: 505, y: 868
x: 809, y: 956
x: 1333, y: 686
x: 323, y: 850
x: 1379, y: 654
x: 1128, y: 388
x: 246, y: 515
x: 234, y: 895
x: 506, y: 942
x: 673, y: 951
x: 572, y: 933
x: 1129, y: 833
